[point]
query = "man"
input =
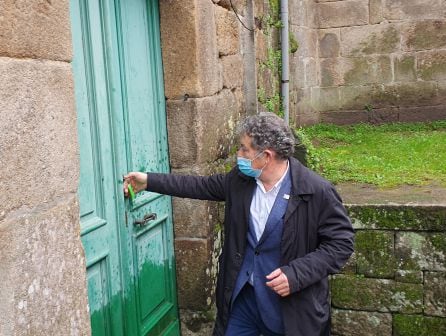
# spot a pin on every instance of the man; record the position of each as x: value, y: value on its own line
x: 285, y: 231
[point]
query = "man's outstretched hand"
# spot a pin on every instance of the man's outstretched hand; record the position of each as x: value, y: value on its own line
x: 137, y: 180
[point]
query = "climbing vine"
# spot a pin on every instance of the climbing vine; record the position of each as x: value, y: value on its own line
x: 270, y: 69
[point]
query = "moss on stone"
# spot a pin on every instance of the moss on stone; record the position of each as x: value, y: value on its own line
x: 428, y: 35
x: 381, y: 43
x: 438, y: 241
x: 369, y: 70
x: 398, y: 217
x: 294, y: 45
x: 353, y: 292
x: 405, y: 68
x: 433, y: 67
x: 375, y: 257
x: 418, y: 325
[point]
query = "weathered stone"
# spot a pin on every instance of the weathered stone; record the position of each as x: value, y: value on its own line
x: 205, y: 135
x: 374, y: 96
x: 197, y: 323
x: 39, y: 29
x: 37, y: 104
x: 191, y: 218
x: 424, y: 35
x: 259, y: 8
x: 232, y: 71
x: 421, y: 251
x: 325, y: 99
x: 413, y: 9
x: 366, y: 70
x: 432, y: 65
x: 422, y: 114
x: 297, y: 73
x: 375, y: 116
x: 310, y: 72
x: 298, y: 13
x: 217, y: 129
x: 409, y: 276
x: 350, y: 266
x: 416, y: 93
x: 417, y: 325
x: 261, y: 47
x: 228, y: 32
x: 357, y: 323
x: 398, y: 217
x: 329, y: 45
x: 383, y: 115
x: 344, y: 117
x: 352, y: 292
x: 374, y: 253
x: 193, y: 265
x: 331, y: 72
x: 44, y: 292
x: 343, y: 13
x: 237, y: 5
x: 405, y: 69
x: 435, y: 293
x: 307, y: 40
x: 370, y: 39
x: 376, y: 11
x: 301, y: 108
x: 190, y: 60
x: 303, y: 72
x: 181, y: 121
x: 355, y: 71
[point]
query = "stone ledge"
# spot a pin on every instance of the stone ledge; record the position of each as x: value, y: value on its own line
x: 398, y: 217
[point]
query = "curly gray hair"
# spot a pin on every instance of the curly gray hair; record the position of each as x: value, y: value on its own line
x: 268, y: 131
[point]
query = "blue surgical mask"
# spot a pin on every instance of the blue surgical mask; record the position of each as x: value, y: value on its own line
x: 245, y: 166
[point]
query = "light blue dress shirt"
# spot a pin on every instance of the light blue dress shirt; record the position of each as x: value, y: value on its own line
x: 262, y: 203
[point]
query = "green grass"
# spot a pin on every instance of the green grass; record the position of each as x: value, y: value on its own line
x: 387, y: 155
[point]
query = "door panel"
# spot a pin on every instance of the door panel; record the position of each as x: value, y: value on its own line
x: 98, y: 219
x: 146, y: 150
x: 122, y: 127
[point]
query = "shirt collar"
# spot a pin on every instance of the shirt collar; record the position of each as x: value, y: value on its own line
x: 278, y: 183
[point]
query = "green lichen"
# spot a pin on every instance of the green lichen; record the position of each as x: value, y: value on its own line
x: 375, y: 256
x: 418, y: 325
x: 433, y: 69
x: 294, y: 45
x: 351, y: 292
x: 398, y: 217
x: 385, y: 43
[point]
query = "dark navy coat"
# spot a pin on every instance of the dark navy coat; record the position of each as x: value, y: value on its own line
x: 317, y: 240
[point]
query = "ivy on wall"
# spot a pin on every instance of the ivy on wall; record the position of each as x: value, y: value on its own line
x: 270, y: 69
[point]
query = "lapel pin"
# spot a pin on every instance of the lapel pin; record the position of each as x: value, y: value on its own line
x: 286, y: 196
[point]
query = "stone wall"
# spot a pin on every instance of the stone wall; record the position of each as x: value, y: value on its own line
x: 395, y: 283
x: 204, y: 66
x: 368, y: 61
x: 42, y: 264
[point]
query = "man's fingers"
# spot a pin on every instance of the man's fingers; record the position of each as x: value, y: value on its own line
x: 274, y: 274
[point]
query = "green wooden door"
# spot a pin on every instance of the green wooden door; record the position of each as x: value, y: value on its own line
x: 122, y: 127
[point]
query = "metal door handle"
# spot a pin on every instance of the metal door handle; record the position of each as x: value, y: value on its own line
x: 147, y: 218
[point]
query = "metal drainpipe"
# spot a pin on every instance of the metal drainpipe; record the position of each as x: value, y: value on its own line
x: 285, y: 46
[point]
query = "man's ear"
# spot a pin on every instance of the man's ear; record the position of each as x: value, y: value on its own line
x: 269, y: 154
